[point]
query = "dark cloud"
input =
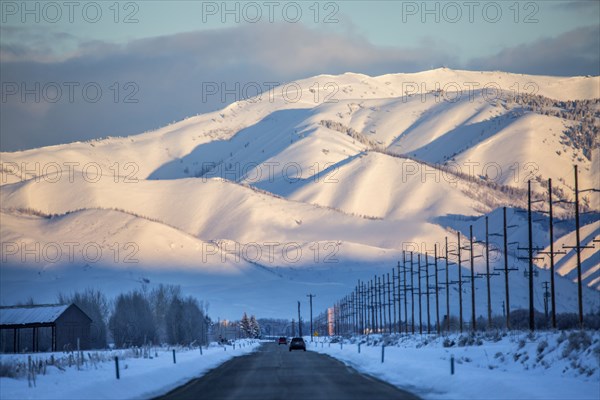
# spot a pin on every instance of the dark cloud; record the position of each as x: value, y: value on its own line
x: 573, y: 53
x: 166, y: 74
x: 584, y: 6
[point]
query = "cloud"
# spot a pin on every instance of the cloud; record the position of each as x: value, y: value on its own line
x: 571, y: 53
x: 165, y: 75
x: 585, y: 6
x: 34, y: 43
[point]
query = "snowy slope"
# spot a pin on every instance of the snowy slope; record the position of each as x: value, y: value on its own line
x: 566, y: 264
x: 325, y: 171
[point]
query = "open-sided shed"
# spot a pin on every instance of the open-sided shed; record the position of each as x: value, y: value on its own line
x: 67, y: 324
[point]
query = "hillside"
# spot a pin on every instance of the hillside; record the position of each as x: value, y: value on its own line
x: 284, y: 194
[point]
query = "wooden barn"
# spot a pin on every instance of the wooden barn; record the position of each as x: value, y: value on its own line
x: 52, y: 327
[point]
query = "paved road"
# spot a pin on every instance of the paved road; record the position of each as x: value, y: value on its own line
x: 272, y: 372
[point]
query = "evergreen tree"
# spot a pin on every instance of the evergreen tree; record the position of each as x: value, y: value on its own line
x: 245, y: 326
x: 254, y: 328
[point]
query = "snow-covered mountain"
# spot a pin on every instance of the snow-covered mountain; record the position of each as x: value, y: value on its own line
x: 308, y: 187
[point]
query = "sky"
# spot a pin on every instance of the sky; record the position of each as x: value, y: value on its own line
x: 80, y: 70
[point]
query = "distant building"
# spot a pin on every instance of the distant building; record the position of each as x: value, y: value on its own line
x: 331, y: 321
x: 54, y: 327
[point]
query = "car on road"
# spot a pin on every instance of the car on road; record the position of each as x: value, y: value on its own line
x: 297, y: 343
x: 282, y: 340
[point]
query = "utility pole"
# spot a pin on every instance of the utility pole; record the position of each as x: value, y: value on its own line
x: 399, y: 291
x: 405, y: 295
x: 578, y: 246
x: 372, y: 307
x: 394, y: 291
x: 460, y: 318
x: 552, y: 253
x: 473, y: 315
x: 530, y: 255
x: 381, y: 297
x: 578, y: 250
x: 507, y: 299
x: 412, y: 295
x: 546, y: 296
x: 530, y: 236
x: 375, y: 303
x: 310, y: 296
x: 487, y: 270
x: 390, y: 305
x: 552, y: 290
x: 447, y: 290
x: 299, y: 321
x: 437, y: 288
x: 427, y: 291
x: 506, y: 270
x: 420, y: 308
x: 488, y: 274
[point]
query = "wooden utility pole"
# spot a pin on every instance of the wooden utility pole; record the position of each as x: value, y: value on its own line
x: 420, y: 308
x: 552, y: 253
x: 447, y: 290
x: 546, y: 296
x: 578, y: 246
x: 299, y: 321
x: 405, y: 295
x: 578, y: 250
x: 437, y: 288
x: 506, y: 269
x: 389, y: 304
x: 399, y: 293
x: 394, y: 291
x: 412, y: 295
x: 530, y: 237
x: 460, y: 313
x: 310, y: 296
x: 551, y: 228
x: 487, y: 274
x: 381, y: 298
x: 506, y: 289
x: 473, y: 314
x: 427, y: 291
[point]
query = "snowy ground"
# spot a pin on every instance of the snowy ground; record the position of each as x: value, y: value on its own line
x: 515, y: 366
x: 140, y: 377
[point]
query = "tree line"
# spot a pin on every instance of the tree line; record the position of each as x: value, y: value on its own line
x: 142, y: 317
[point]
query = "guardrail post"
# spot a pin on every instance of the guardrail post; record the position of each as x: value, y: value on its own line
x: 117, y: 367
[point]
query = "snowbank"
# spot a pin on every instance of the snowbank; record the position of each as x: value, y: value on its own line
x: 513, y: 366
x: 139, y: 377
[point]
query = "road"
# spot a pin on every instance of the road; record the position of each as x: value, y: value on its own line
x: 272, y: 372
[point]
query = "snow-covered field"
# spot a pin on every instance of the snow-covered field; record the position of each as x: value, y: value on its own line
x: 517, y: 365
x: 139, y: 377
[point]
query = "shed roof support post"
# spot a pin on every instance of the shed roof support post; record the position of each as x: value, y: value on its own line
x: 53, y: 337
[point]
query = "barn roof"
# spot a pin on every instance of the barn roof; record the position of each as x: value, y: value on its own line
x: 36, y: 314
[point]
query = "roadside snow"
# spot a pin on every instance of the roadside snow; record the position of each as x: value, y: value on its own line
x: 140, y: 377
x: 515, y: 366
